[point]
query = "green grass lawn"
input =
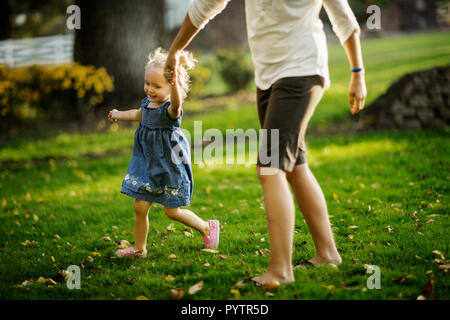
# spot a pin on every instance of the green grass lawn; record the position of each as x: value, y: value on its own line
x: 387, y: 196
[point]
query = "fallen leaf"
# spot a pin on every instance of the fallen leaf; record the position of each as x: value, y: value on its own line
x: 429, y: 221
x: 122, y: 244
x: 206, y: 264
x: 66, y: 274
x: 222, y: 256
x: 95, y: 253
x: 439, y: 261
x: 269, y: 294
x: 41, y: 280
x: 105, y: 238
x: 439, y: 254
x: 176, y: 294
x: 377, y: 199
x: 353, y: 227
x: 141, y: 298
x: 172, y: 256
x: 208, y: 189
x: 196, y: 287
x: 235, y: 293
x: 239, y: 284
x: 335, y: 196
x: 29, y: 243
x: 428, y: 289
x: 376, y: 185
x: 272, y: 285
x: 188, y: 234
x: 329, y: 287
x: 444, y: 267
x: 210, y: 250
x: 261, y: 252
x: 389, y: 229
x: 403, y: 278
x: 170, y: 278
x: 27, y: 283
x: 89, y: 259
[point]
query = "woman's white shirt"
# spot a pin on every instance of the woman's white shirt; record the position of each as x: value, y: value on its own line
x: 286, y: 37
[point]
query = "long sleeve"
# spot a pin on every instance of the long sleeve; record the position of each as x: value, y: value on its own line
x: 201, y: 11
x: 342, y: 19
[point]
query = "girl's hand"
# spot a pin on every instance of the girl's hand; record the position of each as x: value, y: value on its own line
x: 357, y: 92
x: 113, y: 115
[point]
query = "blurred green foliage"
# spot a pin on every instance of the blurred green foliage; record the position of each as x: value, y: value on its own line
x: 235, y: 68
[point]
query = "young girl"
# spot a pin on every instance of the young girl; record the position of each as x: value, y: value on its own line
x: 156, y: 173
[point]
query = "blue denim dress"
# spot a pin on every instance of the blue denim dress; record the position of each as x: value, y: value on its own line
x: 160, y: 167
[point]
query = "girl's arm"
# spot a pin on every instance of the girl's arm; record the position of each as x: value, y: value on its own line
x: 176, y: 99
x: 129, y: 115
x: 357, y: 88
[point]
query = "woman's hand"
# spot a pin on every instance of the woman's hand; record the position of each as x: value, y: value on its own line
x: 113, y: 115
x: 357, y: 92
x: 171, y: 68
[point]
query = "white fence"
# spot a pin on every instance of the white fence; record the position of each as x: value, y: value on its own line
x: 42, y: 50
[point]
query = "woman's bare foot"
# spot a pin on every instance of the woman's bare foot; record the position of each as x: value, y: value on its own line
x: 269, y: 279
x: 336, y: 260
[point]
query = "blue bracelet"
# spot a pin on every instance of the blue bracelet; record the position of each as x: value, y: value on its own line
x: 356, y: 69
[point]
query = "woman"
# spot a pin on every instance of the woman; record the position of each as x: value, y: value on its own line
x: 289, y: 52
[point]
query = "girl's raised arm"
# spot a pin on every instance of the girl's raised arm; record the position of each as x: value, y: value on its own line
x: 129, y: 115
x: 176, y: 98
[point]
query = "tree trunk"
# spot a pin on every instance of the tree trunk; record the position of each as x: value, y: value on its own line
x: 5, y: 20
x: 118, y: 35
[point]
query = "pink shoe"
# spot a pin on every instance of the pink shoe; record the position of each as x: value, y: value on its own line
x: 131, y: 252
x: 212, y: 241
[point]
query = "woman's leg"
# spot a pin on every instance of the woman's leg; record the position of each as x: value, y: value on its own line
x: 280, y: 212
x: 313, y: 206
x: 188, y: 218
x: 141, y: 224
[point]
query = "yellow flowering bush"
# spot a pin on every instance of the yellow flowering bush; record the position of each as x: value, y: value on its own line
x: 199, y: 76
x: 46, y: 87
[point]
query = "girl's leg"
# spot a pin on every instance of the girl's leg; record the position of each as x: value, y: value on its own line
x: 141, y: 224
x: 188, y: 218
x: 280, y: 212
x: 313, y: 206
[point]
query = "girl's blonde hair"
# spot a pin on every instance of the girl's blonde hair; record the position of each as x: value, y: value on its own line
x: 186, y: 61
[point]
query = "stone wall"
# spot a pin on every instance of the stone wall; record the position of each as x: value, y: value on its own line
x: 417, y: 100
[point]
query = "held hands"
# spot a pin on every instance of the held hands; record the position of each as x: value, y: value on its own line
x: 113, y: 115
x: 357, y: 92
x: 171, y: 72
